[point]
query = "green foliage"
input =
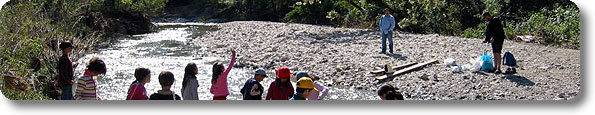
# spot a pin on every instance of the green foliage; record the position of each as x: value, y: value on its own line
x: 19, y: 95
x: 150, y: 7
x: 350, y: 14
x: 437, y: 16
x: 333, y: 15
x: 31, y: 30
x: 264, y: 10
x: 494, y: 6
x: 475, y: 32
x: 306, y: 9
x: 558, y: 26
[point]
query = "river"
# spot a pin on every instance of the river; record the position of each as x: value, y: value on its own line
x: 170, y: 48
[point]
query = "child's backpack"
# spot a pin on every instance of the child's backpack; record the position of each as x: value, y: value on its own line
x: 509, y: 59
x: 487, y: 64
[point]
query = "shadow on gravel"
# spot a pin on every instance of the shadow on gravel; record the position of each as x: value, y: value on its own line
x: 519, y: 80
x: 398, y: 57
x: 336, y: 37
x: 349, y: 34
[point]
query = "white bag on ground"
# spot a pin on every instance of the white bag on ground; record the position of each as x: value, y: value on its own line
x: 476, y: 64
x: 450, y: 62
x: 457, y: 69
x: 466, y: 67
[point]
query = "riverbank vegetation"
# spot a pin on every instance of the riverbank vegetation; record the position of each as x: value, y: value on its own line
x: 555, y: 22
x: 32, y: 29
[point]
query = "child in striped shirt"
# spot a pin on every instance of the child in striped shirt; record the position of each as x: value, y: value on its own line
x: 86, y: 85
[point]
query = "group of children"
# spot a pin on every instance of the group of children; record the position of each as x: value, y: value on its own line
x: 137, y: 89
x: 307, y: 87
x: 189, y: 83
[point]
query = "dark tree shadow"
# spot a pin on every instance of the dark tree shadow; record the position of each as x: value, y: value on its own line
x: 335, y: 38
x: 519, y: 80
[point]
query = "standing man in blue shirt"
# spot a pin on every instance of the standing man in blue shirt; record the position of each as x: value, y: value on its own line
x: 387, y: 24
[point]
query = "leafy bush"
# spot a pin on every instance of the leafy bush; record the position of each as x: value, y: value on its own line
x: 19, y: 95
x: 558, y: 26
x: 31, y: 30
x: 151, y: 7
x: 475, y: 32
x: 310, y: 12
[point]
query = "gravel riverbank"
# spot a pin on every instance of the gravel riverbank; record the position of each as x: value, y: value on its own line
x: 343, y: 57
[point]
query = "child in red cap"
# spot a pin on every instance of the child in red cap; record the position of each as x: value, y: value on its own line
x: 281, y: 88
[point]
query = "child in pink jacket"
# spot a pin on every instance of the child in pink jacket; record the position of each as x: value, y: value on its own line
x: 219, y: 79
x: 137, y: 89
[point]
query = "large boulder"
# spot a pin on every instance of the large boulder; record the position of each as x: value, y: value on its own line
x: 133, y: 23
x: 122, y: 22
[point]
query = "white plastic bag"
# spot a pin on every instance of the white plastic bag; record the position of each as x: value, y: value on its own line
x: 450, y: 62
x: 466, y: 67
x: 475, y: 64
x: 457, y: 69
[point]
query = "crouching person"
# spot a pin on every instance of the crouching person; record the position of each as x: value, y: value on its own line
x: 314, y: 95
x: 304, y: 86
x: 388, y: 92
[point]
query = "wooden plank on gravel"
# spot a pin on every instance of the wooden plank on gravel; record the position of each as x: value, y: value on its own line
x: 413, y: 67
x: 397, y: 68
x: 379, y: 70
x: 408, y: 69
x: 382, y: 77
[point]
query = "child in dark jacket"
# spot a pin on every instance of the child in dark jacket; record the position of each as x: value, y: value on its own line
x: 166, y: 80
x: 65, y: 76
x: 252, y: 89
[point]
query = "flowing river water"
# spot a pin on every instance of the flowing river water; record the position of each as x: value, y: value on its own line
x: 170, y: 48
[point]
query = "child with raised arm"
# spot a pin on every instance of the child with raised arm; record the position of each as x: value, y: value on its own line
x: 219, y: 79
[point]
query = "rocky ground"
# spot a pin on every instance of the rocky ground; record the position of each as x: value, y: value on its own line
x: 343, y: 57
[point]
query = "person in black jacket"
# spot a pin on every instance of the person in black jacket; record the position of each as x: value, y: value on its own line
x: 66, y: 71
x: 494, y: 34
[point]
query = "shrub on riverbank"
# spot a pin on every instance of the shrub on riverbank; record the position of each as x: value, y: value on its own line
x: 30, y: 33
x: 31, y: 30
x: 558, y: 26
